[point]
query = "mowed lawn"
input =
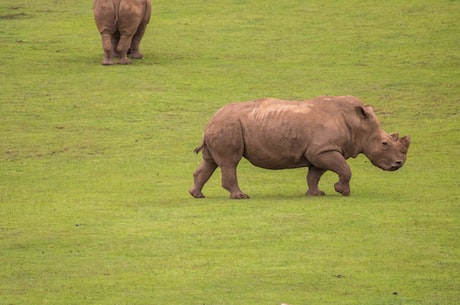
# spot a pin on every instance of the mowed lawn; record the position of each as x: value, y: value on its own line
x: 96, y: 162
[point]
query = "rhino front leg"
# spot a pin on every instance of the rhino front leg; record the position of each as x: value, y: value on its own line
x: 334, y: 161
x: 313, y: 177
x: 230, y: 182
x: 135, y: 51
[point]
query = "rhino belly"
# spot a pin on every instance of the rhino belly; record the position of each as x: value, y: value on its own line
x: 273, y: 152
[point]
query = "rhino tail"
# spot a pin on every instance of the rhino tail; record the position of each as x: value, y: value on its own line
x: 199, y: 148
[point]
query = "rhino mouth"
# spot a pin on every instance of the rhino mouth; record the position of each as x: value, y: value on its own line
x: 391, y: 167
x: 395, y: 166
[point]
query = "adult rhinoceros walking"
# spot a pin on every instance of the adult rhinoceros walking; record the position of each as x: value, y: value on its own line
x: 274, y: 134
x: 122, y: 25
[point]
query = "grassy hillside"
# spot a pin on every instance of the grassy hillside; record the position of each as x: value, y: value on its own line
x: 95, y: 162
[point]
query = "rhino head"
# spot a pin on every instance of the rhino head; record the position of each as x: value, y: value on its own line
x: 385, y: 150
x: 390, y: 152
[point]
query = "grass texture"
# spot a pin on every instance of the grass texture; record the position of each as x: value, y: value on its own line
x: 95, y: 162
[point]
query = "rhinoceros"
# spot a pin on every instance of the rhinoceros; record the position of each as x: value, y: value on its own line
x: 122, y: 25
x: 320, y: 133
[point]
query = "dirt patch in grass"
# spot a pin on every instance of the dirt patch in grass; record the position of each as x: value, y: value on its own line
x: 13, y: 13
x: 13, y: 16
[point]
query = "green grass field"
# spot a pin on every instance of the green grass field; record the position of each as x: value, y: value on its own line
x: 96, y: 162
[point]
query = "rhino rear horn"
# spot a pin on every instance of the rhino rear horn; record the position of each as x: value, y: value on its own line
x: 394, y: 136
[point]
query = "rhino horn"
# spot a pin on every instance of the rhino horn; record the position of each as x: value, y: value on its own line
x: 405, y: 141
x: 394, y: 136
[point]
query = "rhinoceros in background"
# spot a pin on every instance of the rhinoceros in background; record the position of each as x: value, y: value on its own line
x: 320, y: 133
x: 122, y: 24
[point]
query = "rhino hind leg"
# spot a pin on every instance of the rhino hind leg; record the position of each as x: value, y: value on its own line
x: 203, y: 172
x: 201, y: 176
x: 107, y: 46
x: 313, y: 177
x: 230, y: 182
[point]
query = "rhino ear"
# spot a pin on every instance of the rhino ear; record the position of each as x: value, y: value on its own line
x: 394, y: 136
x: 405, y: 141
x: 364, y: 112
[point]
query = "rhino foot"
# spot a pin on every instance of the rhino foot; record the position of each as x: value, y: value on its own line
x: 239, y: 195
x: 196, y: 194
x: 342, y: 189
x: 124, y: 61
x: 137, y: 55
x: 107, y: 62
x: 315, y: 193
